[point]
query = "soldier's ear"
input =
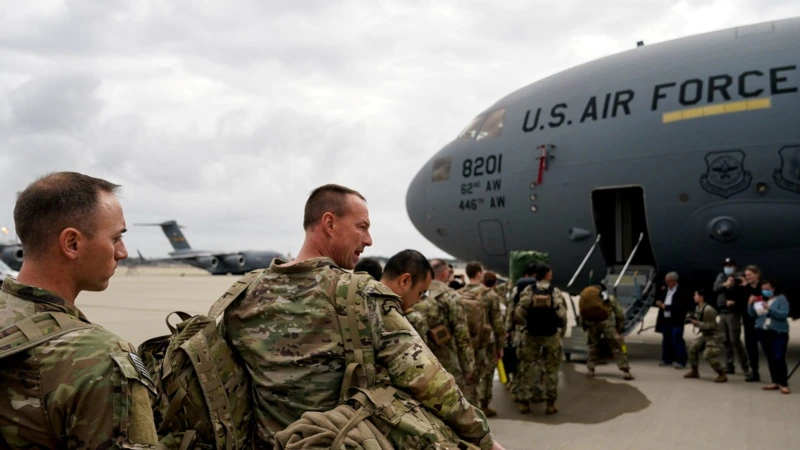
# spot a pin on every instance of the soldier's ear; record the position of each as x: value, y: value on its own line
x: 70, y: 241
x: 405, y: 281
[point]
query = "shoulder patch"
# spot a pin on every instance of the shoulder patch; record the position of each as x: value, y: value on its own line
x: 139, y: 365
x: 377, y: 288
x: 132, y: 368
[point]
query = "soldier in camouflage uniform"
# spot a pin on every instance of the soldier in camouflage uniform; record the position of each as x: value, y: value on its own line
x: 295, y: 353
x: 536, y: 347
x: 710, y: 339
x: 441, y: 311
x: 515, y: 330
x: 607, y: 332
x: 494, y: 340
x: 86, y: 388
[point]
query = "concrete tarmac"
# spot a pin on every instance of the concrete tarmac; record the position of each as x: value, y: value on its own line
x: 658, y: 410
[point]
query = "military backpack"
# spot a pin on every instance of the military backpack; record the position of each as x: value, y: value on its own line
x: 203, y: 390
x: 542, y: 319
x: 475, y: 310
x: 592, y: 306
x: 382, y: 415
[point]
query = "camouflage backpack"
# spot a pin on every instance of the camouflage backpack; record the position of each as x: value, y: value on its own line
x: 38, y: 329
x: 591, y: 305
x: 395, y: 418
x: 203, y: 390
x: 479, y: 329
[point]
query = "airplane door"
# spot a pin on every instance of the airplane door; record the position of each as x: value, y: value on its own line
x: 492, y: 237
x: 620, y: 218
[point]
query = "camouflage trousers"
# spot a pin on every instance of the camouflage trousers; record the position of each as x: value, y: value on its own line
x: 711, y: 346
x: 486, y: 377
x: 540, y: 360
x: 473, y: 388
x: 604, y: 332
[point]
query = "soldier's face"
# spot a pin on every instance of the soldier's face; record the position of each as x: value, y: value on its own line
x: 351, y: 234
x: 100, y: 253
x: 411, y: 293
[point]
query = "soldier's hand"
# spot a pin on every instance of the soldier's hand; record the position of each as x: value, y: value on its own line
x: 497, y: 446
x: 730, y: 303
x: 498, y: 355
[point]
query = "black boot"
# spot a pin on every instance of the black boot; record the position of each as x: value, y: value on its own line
x: 752, y: 377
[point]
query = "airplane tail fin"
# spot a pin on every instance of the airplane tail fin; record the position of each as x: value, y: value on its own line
x: 173, y: 233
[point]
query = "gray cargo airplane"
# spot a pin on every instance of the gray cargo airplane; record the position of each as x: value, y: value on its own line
x: 216, y: 263
x: 665, y: 157
x: 11, y: 254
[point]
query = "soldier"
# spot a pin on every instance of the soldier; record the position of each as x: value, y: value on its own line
x: 371, y: 266
x: 440, y: 320
x: 510, y: 355
x: 295, y: 353
x: 492, y: 339
x: 542, y: 311
x: 705, y: 319
x: 82, y: 386
x: 606, y: 332
x: 399, y: 275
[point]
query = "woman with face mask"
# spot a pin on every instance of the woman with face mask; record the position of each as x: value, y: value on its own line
x: 772, y: 329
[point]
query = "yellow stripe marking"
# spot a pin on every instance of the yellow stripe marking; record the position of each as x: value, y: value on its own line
x: 715, y: 110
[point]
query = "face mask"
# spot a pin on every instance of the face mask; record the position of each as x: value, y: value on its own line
x: 728, y: 270
x: 766, y: 293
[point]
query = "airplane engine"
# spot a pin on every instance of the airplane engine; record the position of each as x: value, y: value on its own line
x: 12, y: 254
x: 235, y: 260
x: 209, y: 262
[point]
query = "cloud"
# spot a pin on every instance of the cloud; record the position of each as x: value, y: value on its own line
x: 225, y: 115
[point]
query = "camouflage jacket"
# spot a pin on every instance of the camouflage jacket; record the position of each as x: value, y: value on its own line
x: 79, y: 390
x: 491, y: 301
x: 706, y: 317
x: 441, y: 307
x: 616, y: 315
x: 526, y: 300
x: 286, y: 331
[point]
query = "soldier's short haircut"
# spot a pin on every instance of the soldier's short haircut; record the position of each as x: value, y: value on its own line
x: 530, y: 271
x: 439, y: 265
x: 542, y: 272
x: 408, y: 261
x: 371, y: 266
x: 54, y: 202
x: 489, y: 278
x: 473, y: 269
x: 327, y: 198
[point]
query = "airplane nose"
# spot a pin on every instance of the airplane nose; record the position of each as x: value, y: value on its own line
x: 415, y: 200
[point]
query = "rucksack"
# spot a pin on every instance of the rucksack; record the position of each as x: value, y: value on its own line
x: 203, y: 389
x: 37, y: 329
x: 475, y: 311
x: 542, y: 319
x: 591, y: 305
x: 393, y: 414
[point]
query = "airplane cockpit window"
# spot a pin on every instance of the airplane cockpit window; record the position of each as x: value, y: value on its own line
x: 472, y: 129
x: 441, y: 169
x: 493, y: 126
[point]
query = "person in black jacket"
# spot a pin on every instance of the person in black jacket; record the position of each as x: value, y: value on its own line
x: 750, y: 285
x: 673, y: 301
x: 730, y: 306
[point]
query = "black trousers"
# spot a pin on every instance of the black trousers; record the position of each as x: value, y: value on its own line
x: 774, y: 345
x: 751, y: 341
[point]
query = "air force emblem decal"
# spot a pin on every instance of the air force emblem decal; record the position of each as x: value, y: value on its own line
x: 788, y: 176
x: 725, y: 175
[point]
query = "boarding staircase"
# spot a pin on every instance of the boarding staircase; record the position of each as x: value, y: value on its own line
x: 633, y: 289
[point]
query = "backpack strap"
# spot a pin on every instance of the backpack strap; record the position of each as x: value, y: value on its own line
x: 356, y: 373
x: 233, y: 292
x: 36, y: 329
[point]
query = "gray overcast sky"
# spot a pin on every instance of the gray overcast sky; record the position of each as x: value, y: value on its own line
x: 224, y: 115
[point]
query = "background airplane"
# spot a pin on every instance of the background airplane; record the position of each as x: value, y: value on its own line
x: 10, y: 252
x: 216, y: 263
x: 665, y: 157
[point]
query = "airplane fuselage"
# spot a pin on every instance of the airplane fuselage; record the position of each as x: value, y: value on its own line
x: 701, y: 135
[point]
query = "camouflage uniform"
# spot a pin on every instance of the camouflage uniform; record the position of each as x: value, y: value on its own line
x: 286, y: 331
x: 441, y: 307
x: 494, y: 342
x: 78, y: 390
x: 606, y: 332
x: 710, y: 338
x: 546, y: 350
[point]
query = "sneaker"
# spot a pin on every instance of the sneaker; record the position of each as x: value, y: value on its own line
x: 679, y: 366
x: 627, y: 376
